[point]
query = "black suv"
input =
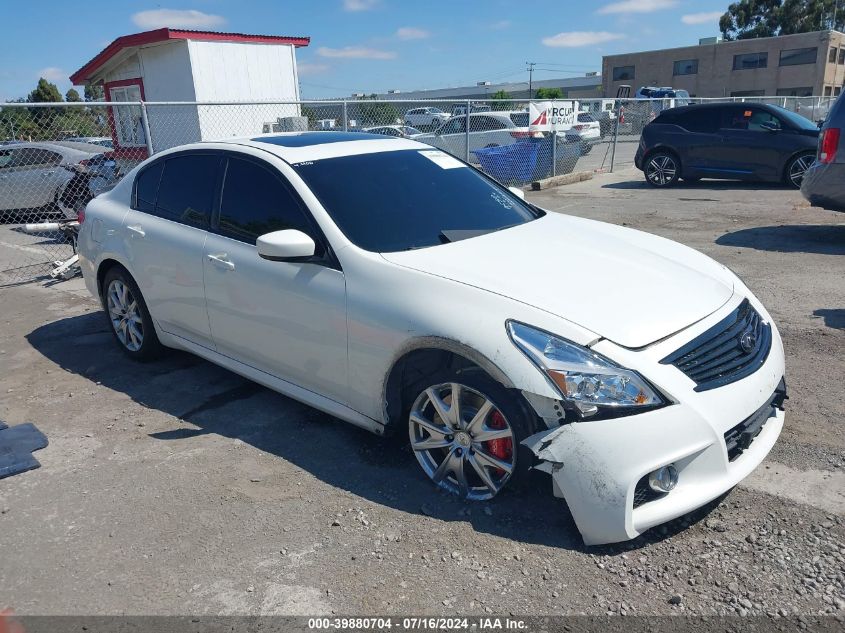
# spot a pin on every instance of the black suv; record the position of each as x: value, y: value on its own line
x: 738, y: 141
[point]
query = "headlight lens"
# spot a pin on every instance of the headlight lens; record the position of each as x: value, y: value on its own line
x: 587, y: 381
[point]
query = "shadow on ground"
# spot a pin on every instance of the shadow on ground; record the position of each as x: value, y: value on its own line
x: 790, y: 238
x: 382, y: 470
x: 833, y: 318
x: 700, y: 185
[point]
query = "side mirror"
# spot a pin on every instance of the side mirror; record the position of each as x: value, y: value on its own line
x: 519, y: 193
x: 285, y: 246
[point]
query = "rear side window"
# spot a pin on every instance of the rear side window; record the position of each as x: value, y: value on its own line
x: 255, y: 201
x: 705, y: 121
x: 520, y: 119
x: 186, y: 189
x: 146, y: 188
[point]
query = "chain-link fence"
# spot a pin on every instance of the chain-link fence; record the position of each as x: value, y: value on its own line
x: 55, y: 157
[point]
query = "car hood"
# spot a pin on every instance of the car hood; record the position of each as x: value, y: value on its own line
x: 630, y: 287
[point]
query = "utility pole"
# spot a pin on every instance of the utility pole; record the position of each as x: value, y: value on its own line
x: 531, y: 79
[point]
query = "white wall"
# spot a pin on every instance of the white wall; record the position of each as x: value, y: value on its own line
x: 234, y: 71
x: 167, y: 76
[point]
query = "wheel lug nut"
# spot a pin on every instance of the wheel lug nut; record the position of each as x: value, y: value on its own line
x: 449, y: 438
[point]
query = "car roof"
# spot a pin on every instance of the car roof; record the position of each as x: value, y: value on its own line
x: 295, y: 147
x: 723, y: 104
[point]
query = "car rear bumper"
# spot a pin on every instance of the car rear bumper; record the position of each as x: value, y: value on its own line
x: 824, y: 186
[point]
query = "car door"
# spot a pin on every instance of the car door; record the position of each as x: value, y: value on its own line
x: 32, y: 177
x: 451, y: 137
x: 750, y: 143
x: 698, y: 141
x: 287, y: 319
x: 164, y: 233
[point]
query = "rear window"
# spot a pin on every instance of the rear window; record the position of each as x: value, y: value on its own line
x: 520, y: 119
x: 395, y: 201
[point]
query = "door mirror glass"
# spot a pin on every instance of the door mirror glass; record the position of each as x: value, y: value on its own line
x: 286, y: 245
x: 519, y: 193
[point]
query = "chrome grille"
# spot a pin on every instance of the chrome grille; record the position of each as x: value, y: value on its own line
x: 730, y: 350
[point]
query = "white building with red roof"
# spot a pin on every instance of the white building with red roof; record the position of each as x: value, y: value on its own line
x: 176, y: 65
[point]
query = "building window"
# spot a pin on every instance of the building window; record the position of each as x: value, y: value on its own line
x: 128, y: 123
x: 842, y: 56
x: 798, y: 56
x: 750, y: 61
x: 748, y: 93
x: 827, y: 91
x: 831, y: 56
x: 795, y: 92
x: 837, y: 90
x: 623, y: 73
x: 685, y: 67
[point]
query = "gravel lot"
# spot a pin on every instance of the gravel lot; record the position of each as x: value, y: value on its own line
x: 180, y: 488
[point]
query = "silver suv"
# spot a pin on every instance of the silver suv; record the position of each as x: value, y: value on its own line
x: 822, y: 184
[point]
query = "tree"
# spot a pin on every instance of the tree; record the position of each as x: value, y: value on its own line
x: 504, y: 97
x: 94, y: 92
x: 749, y: 19
x: 45, y: 92
x: 548, y: 93
x: 377, y: 113
x: 72, y: 96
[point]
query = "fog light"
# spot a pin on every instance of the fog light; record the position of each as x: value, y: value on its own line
x: 663, y: 479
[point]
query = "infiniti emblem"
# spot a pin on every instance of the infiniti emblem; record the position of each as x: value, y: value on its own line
x: 747, y: 342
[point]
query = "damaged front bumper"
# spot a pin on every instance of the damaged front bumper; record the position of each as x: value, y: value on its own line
x: 714, y: 439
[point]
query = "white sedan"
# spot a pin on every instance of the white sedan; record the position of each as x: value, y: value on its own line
x: 396, y: 288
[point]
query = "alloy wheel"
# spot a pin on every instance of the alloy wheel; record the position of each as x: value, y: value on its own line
x: 125, y: 315
x: 798, y: 167
x: 661, y: 169
x: 462, y: 440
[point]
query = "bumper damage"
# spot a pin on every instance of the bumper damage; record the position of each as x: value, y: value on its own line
x: 601, y: 468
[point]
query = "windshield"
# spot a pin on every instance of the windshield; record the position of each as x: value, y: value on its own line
x: 395, y: 201
x: 797, y: 120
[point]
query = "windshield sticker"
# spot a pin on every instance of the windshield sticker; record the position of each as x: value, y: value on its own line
x: 442, y: 159
x: 501, y: 199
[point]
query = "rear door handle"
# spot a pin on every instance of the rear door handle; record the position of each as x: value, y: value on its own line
x: 221, y: 260
x: 135, y: 230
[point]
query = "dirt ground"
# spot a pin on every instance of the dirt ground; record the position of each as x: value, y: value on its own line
x: 180, y: 488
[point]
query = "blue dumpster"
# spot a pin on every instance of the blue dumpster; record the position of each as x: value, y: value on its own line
x: 509, y: 163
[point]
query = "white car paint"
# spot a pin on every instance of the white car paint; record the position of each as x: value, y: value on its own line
x: 331, y: 337
x: 487, y: 129
x: 428, y: 117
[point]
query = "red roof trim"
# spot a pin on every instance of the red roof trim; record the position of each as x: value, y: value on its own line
x: 161, y: 35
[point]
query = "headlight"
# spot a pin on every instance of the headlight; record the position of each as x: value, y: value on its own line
x: 588, y: 382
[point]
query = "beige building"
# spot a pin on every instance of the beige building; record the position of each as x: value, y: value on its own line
x: 805, y: 64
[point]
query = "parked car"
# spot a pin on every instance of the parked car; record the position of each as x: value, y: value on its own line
x: 486, y: 129
x: 402, y: 131
x: 604, y: 111
x: 459, y: 109
x: 649, y: 103
x: 824, y: 181
x: 425, y: 117
x: 585, y: 131
x: 103, y: 141
x: 680, y: 97
x: 392, y: 286
x: 737, y: 141
x: 35, y: 175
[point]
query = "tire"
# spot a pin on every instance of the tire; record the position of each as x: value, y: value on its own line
x: 793, y: 174
x: 449, y: 453
x: 662, y: 169
x: 129, y: 319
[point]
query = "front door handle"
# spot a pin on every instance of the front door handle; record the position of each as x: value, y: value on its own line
x: 221, y: 260
x: 135, y: 230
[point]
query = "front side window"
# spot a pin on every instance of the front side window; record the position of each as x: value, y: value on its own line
x: 406, y: 199
x: 32, y: 157
x: 750, y: 119
x: 798, y: 56
x: 255, y: 201
x: 186, y: 189
x: 623, y: 73
x: 685, y: 67
x: 751, y: 61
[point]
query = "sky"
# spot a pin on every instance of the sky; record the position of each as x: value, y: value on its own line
x: 364, y: 45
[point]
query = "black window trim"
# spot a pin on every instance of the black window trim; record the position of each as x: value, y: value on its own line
x: 327, y: 258
x: 793, y: 50
x: 759, y: 54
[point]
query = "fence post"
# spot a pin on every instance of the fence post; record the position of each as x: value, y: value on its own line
x: 466, y: 133
x: 145, y: 122
x: 554, y: 144
x: 345, y: 117
x: 615, y: 135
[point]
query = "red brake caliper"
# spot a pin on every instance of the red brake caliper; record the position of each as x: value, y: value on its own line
x: 501, y: 448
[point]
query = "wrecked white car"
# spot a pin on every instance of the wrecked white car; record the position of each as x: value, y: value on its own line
x: 393, y: 286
